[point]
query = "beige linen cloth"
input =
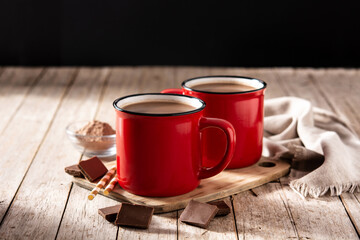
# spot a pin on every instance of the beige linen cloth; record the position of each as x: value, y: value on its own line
x: 323, y: 150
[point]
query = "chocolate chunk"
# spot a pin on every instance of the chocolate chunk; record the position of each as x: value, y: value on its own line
x: 74, y: 170
x: 110, y: 213
x: 198, y: 214
x: 224, y: 209
x: 92, y: 168
x: 134, y: 215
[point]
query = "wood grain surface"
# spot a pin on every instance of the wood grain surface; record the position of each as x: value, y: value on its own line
x: 25, y: 133
x: 38, y: 200
x: 226, y: 183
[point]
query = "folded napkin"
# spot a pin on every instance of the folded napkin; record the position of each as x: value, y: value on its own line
x: 323, y: 150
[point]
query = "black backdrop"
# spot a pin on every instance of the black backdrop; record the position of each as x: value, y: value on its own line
x: 212, y: 33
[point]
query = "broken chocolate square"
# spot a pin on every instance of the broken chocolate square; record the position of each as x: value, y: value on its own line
x: 224, y: 209
x: 131, y: 215
x: 92, y: 168
x: 198, y: 214
x: 110, y: 213
x: 74, y: 170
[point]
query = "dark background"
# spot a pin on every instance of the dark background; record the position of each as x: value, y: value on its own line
x: 246, y: 33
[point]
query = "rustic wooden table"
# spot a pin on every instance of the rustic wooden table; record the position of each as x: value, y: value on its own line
x: 38, y: 200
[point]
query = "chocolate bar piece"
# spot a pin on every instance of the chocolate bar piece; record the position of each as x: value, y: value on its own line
x: 74, y: 170
x: 110, y: 213
x: 134, y: 215
x: 92, y: 168
x: 224, y: 209
x: 198, y: 214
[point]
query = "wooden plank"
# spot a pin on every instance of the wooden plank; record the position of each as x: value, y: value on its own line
x: 46, y: 185
x: 352, y: 205
x: 222, y: 185
x: 21, y: 139
x: 341, y: 88
x: 298, y: 82
x: 329, y: 211
x: 323, y: 218
x: 154, y: 79
x: 262, y: 214
x: 353, y: 94
x: 81, y: 219
x: 15, y: 85
x: 219, y: 228
x: 244, y: 72
x: 184, y: 73
x: 162, y: 226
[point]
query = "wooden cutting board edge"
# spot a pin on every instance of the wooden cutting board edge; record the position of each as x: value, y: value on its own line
x: 162, y: 208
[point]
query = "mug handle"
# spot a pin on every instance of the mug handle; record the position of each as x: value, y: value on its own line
x: 173, y: 90
x: 229, y: 131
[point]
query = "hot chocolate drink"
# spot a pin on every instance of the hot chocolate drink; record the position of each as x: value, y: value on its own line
x: 157, y: 107
x: 223, y: 87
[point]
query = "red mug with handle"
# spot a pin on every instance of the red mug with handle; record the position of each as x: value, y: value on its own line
x: 159, y: 154
x: 243, y: 108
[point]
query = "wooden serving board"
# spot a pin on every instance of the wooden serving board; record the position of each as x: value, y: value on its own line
x: 222, y: 185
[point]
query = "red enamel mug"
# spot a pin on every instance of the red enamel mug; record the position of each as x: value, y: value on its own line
x: 243, y: 109
x: 159, y: 154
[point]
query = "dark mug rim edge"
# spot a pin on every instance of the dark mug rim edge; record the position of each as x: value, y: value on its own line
x: 223, y: 76
x: 159, y: 114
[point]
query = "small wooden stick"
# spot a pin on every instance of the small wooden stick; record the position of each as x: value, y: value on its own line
x: 111, y: 186
x: 102, y: 183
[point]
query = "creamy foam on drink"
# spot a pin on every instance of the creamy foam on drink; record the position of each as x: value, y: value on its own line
x: 223, y: 87
x: 157, y: 107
